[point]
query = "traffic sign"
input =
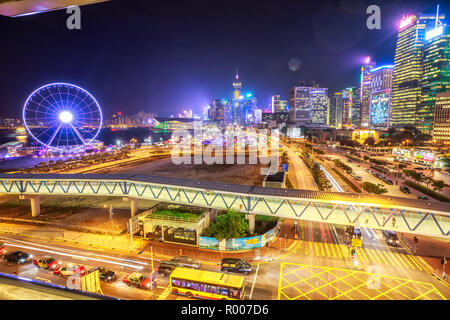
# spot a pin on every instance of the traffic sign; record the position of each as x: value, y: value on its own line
x: 285, y: 167
x: 357, y: 243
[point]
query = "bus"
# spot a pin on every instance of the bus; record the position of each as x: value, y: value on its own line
x: 207, y: 284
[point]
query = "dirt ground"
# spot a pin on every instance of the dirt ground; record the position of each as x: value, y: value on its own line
x: 75, y: 211
x: 235, y: 173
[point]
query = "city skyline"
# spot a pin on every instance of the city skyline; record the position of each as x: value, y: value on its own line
x: 194, y: 84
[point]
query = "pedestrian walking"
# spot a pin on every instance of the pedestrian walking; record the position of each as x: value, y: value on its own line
x: 444, y: 263
x: 393, y: 222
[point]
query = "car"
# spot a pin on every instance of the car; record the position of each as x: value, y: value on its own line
x: 18, y: 257
x: 137, y: 280
x: 418, y: 168
x: 235, y: 265
x: 405, y: 189
x: 359, y: 178
x: 2, y: 248
x: 104, y: 273
x: 69, y: 270
x: 391, y: 238
x: 422, y: 198
x: 186, y: 262
x: 166, y: 267
x: 46, y: 262
x: 389, y: 181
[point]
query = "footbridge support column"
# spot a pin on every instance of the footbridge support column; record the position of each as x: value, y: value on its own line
x: 35, y: 204
x: 133, y: 205
x: 251, y: 222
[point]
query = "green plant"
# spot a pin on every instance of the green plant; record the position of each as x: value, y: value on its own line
x: 228, y: 225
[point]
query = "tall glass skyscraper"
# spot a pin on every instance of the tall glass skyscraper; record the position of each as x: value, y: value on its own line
x: 366, y: 76
x: 436, y: 73
x: 408, y: 71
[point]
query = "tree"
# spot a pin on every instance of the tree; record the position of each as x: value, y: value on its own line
x: 374, y: 188
x: 428, y: 181
x: 231, y: 224
x: 438, y: 185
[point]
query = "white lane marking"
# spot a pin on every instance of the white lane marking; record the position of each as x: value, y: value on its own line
x: 87, y: 253
x: 254, y: 280
x: 72, y: 256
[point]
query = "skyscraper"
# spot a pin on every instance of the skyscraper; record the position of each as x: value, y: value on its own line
x: 303, y: 110
x: 300, y: 102
x: 407, y: 76
x: 380, y: 97
x: 237, y: 112
x: 279, y: 105
x: 436, y: 73
x: 351, y: 107
x: 319, y: 105
x: 336, y: 110
x: 365, y: 89
x: 441, y: 126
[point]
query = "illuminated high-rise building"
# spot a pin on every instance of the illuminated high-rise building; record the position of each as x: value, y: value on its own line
x: 351, y: 107
x: 436, y: 73
x: 336, y: 111
x: 237, y: 108
x: 407, y: 77
x: 441, y: 124
x: 380, y: 96
x: 365, y: 90
x: 308, y: 104
x: 319, y: 105
x: 279, y: 105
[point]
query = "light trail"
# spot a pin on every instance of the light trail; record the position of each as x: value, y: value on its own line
x: 76, y: 256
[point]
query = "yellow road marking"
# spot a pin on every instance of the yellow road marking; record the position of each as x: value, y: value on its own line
x: 389, y: 258
x: 372, y: 253
x: 338, y: 250
x: 321, y: 248
x: 317, y: 249
x: 332, y: 249
x: 370, y: 258
x: 400, y: 258
x: 407, y: 260
x: 380, y: 252
x: 363, y: 254
x: 328, y: 251
x: 423, y: 290
x: 344, y: 251
x: 394, y: 258
x: 279, y: 283
x: 414, y: 260
x: 164, y: 294
x: 310, y: 247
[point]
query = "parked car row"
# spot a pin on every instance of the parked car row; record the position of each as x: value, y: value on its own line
x: 380, y: 176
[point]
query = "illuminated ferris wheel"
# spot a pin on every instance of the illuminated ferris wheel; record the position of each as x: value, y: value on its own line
x: 62, y: 116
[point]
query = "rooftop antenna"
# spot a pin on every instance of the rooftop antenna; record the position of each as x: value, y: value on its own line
x: 237, y: 73
x: 438, y: 22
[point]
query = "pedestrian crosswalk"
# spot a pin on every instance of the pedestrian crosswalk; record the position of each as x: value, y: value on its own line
x: 365, y: 255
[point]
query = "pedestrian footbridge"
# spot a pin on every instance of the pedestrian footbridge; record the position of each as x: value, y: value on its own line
x: 416, y: 216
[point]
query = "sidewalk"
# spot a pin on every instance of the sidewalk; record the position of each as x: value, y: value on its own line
x: 430, y: 251
x: 164, y: 250
x: 276, y: 249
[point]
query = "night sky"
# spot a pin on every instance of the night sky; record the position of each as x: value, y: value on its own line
x: 166, y: 56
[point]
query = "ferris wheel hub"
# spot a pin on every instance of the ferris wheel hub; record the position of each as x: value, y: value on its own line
x: 66, y: 116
